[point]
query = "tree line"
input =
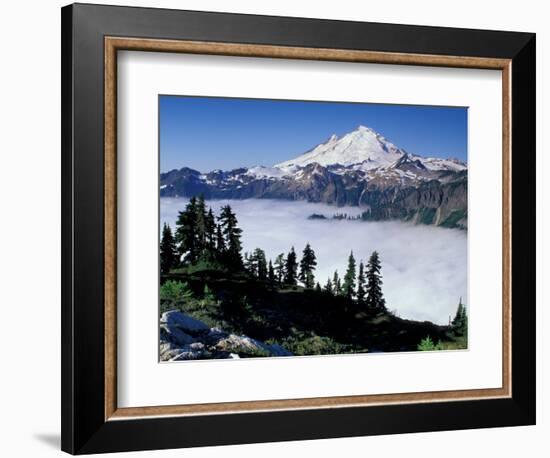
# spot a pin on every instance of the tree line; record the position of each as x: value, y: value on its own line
x: 459, y: 324
x: 362, y: 285
x: 201, y: 236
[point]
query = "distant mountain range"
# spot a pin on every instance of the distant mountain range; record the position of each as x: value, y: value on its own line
x: 361, y: 168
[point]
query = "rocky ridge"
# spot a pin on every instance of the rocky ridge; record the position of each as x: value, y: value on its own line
x: 185, y: 338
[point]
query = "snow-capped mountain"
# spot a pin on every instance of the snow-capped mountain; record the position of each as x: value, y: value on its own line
x: 361, y: 168
x: 361, y: 146
x: 365, y: 149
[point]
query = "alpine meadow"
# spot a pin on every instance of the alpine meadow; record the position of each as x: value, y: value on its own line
x: 277, y: 243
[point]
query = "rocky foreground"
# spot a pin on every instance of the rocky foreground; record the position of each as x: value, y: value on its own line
x: 185, y: 338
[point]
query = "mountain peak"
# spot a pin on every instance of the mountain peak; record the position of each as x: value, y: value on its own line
x: 362, y: 145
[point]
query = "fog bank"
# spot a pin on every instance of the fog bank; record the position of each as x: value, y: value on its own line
x: 424, y: 268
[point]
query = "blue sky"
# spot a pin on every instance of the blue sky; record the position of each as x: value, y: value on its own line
x: 207, y: 133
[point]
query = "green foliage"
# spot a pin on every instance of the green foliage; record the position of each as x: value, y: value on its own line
x: 203, y: 265
x: 307, y: 266
x: 210, y: 234
x: 199, y: 238
x: 186, y: 235
x: 256, y: 264
x: 303, y: 344
x: 220, y: 240
x: 173, y: 290
x: 459, y: 324
x: 200, y: 227
x: 174, y: 294
x: 427, y: 344
x: 168, y: 250
x: 279, y: 268
x: 375, y: 299
x: 336, y: 284
x: 208, y: 295
x: 261, y: 263
x: 348, y: 288
x: 361, y: 285
x: 457, y: 343
x: 232, y: 236
x: 291, y: 268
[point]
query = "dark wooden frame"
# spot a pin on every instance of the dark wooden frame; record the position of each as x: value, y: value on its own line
x: 91, y: 35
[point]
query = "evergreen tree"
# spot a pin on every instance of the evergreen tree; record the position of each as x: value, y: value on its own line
x: 328, y: 287
x: 375, y: 299
x: 361, y: 292
x: 201, y: 225
x: 255, y: 263
x: 220, y: 241
x: 208, y: 295
x: 460, y: 321
x: 307, y: 266
x: 261, y: 263
x: 210, y: 228
x: 291, y: 268
x: 250, y: 264
x: 280, y: 268
x: 270, y: 273
x: 174, y: 294
x: 186, y: 233
x: 318, y: 288
x: 464, y: 321
x: 348, y: 288
x: 336, y: 284
x: 168, y: 251
x: 232, y: 234
x: 427, y: 344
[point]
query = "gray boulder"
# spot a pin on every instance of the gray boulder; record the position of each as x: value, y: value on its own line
x: 214, y: 336
x: 195, y: 350
x: 168, y: 351
x: 248, y: 346
x: 175, y: 319
x: 185, y: 338
x: 175, y: 335
x: 242, y: 345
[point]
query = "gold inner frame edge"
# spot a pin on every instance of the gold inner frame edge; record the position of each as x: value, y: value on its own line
x: 114, y: 44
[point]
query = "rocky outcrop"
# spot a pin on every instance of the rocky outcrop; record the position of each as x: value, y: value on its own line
x: 433, y: 202
x: 185, y: 338
x: 176, y: 320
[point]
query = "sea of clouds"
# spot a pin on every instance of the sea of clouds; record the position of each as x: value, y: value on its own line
x: 424, y: 268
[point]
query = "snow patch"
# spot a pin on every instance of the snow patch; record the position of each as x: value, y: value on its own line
x: 434, y: 163
x: 266, y: 172
x: 363, y: 145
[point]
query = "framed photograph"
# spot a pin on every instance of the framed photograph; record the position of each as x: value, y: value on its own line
x: 281, y: 228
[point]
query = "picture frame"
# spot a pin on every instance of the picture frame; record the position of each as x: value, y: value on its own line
x: 92, y: 35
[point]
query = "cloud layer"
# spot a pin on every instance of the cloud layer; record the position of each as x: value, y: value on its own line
x: 424, y: 268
